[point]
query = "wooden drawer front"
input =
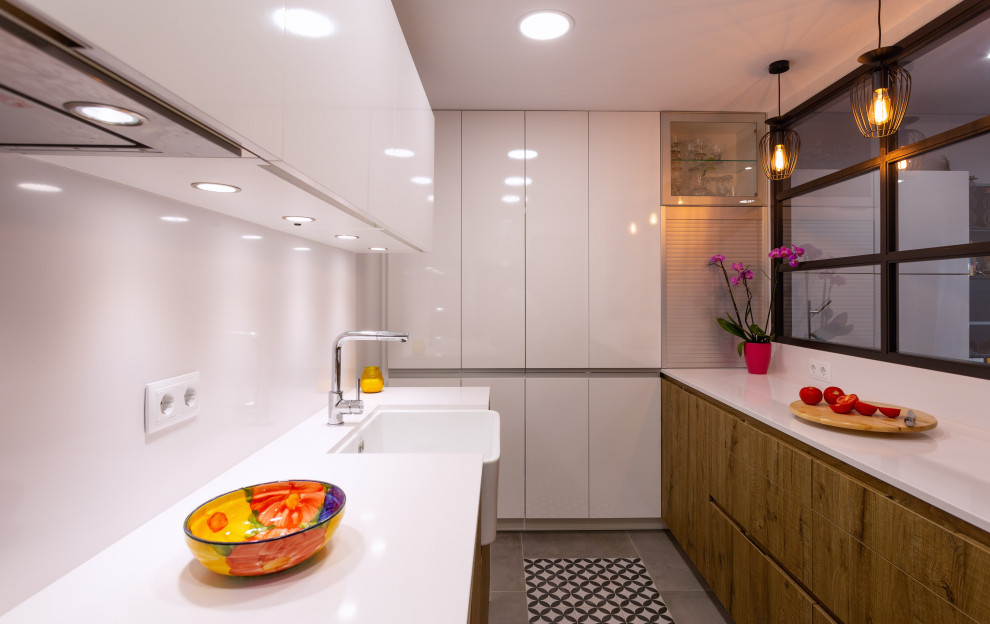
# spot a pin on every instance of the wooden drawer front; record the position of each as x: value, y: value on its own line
x: 750, y: 586
x: 820, y: 617
x: 774, y: 459
x: 771, y: 516
x: 861, y: 587
x: 951, y: 565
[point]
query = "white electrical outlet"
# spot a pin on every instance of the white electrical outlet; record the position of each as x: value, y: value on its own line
x: 170, y: 401
x: 820, y: 371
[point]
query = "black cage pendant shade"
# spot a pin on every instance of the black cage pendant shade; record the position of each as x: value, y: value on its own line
x: 779, y: 147
x: 880, y: 98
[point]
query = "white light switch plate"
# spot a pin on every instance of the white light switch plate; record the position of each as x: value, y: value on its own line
x: 170, y: 401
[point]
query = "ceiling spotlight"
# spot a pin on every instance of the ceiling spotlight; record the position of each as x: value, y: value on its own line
x: 175, y: 219
x: 399, y: 152
x: 345, y: 236
x: 216, y: 187
x: 545, y: 25
x: 779, y: 147
x: 105, y: 114
x: 300, y: 248
x: 251, y: 237
x: 377, y: 248
x: 880, y: 97
x: 522, y: 154
x: 39, y: 187
x: 299, y: 220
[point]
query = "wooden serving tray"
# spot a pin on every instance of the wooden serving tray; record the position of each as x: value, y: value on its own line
x: 823, y: 414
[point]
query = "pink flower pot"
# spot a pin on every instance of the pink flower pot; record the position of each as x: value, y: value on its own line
x: 757, y: 355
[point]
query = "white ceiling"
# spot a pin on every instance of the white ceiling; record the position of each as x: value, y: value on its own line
x: 704, y: 55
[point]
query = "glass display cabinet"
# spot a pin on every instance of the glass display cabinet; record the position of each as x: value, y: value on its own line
x: 710, y: 159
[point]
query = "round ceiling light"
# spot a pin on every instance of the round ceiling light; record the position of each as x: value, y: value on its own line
x: 545, y: 25
x: 377, y: 248
x: 105, y: 114
x: 216, y: 187
x: 522, y: 154
x: 299, y: 220
x: 345, y: 236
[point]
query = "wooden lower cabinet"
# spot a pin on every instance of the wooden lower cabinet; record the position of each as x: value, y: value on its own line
x: 750, y: 585
x: 785, y: 533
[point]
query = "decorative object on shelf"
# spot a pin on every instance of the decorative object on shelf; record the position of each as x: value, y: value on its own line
x: 744, y: 325
x: 264, y: 528
x: 779, y: 147
x: 371, y: 380
x: 880, y: 97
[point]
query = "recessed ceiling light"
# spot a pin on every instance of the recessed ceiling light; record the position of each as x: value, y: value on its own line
x: 521, y: 154
x: 421, y: 180
x: 377, y: 248
x: 251, y: 237
x: 518, y: 181
x: 299, y: 220
x: 303, y: 22
x: 105, y: 114
x: 39, y: 187
x: 300, y: 248
x: 215, y: 187
x: 175, y: 219
x: 399, y: 152
x: 545, y: 25
x: 345, y: 236
x: 510, y: 199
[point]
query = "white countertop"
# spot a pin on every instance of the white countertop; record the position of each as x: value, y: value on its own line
x: 403, y: 553
x: 946, y: 466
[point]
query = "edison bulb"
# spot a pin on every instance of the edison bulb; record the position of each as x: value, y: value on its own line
x: 881, y: 106
x: 778, y: 158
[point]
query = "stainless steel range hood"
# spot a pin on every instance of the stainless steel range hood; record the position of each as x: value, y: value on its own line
x: 40, y: 71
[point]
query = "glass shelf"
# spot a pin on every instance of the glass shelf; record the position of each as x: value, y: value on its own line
x: 710, y: 159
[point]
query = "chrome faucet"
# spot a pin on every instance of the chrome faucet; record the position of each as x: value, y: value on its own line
x: 339, y: 407
x: 813, y: 313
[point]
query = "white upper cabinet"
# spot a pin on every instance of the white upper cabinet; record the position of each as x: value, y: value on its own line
x: 493, y: 243
x: 624, y: 246
x: 556, y: 183
x: 324, y: 90
x: 226, y: 58
x: 424, y: 290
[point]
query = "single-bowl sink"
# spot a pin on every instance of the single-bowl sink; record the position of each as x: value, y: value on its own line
x: 436, y: 431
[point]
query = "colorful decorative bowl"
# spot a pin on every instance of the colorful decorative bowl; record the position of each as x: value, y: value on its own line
x: 264, y: 528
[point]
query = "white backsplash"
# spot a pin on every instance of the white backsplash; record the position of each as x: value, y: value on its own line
x: 98, y: 297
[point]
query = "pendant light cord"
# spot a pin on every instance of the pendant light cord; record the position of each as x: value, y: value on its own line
x: 779, y: 111
x: 879, y: 32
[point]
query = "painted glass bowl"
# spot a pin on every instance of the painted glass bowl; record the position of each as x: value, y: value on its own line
x: 264, y: 528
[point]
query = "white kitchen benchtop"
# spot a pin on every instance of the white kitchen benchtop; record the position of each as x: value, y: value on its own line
x: 404, y: 551
x: 947, y: 466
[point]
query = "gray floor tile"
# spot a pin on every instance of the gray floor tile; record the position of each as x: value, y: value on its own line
x: 507, y: 608
x: 507, y: 562
x: 576, y: 544
x: 695, y: 607
x: 666, y: 562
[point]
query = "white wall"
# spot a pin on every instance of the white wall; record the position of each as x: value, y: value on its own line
x: 99, y: 296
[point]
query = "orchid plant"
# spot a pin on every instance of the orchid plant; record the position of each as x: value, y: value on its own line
x: 744, y: 325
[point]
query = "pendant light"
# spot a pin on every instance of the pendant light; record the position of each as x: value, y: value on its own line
x: 779, y: 146
x: 880, y: 98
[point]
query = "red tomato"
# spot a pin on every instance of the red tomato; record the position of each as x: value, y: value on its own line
x: 865, y: 408
x: 890, y: 412
x: 832, y: 393
x: 811, y: 395
x: 847, y: 398
x: 842, y: 408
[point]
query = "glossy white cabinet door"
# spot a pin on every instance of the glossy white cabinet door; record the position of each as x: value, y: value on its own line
x: 339, y: 92
x: 424, y: 290
x: 508, y: 398
x: 556, y: 447
x: 624, y: 458
x: 624, y: 247
x: 224, y: 57
x: 493, y: 240
x: 557, y: 239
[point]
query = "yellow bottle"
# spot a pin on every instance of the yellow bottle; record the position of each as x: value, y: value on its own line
x: 371, y: 380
